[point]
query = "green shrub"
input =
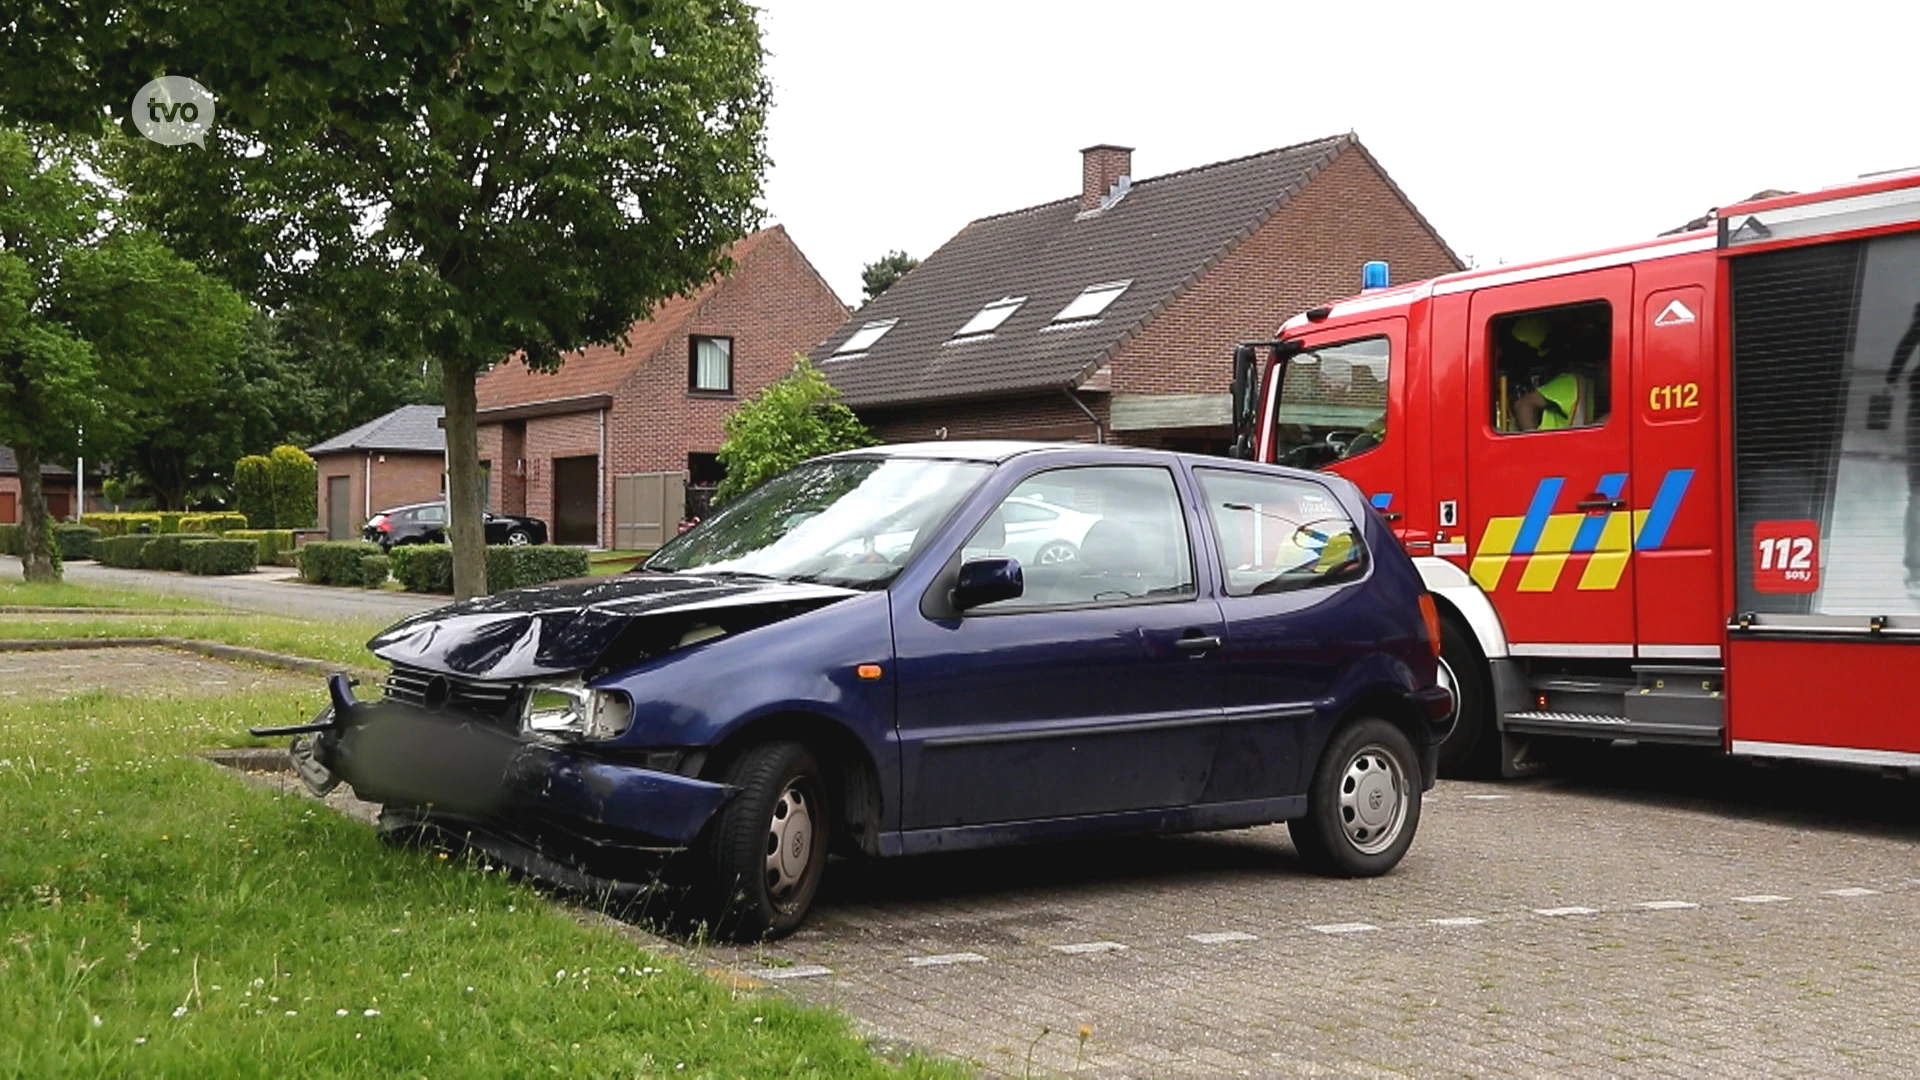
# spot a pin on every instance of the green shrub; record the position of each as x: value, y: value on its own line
x: 270, y: 541
x: 219, y: 523
x: 218, y: 556
x: 121, y: 524
x: 163, y: 552
x: 373, y: 570
x: 120, y: 551
x: 75, y: 541
x: 296, y: 488
x: 334, y: 562
x: 422, y: 567
x: 253, y: 490
x: 9, y: 539
x: 170, y: 521
x: 511, y: 567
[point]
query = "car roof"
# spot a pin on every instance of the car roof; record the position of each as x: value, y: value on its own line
x: 993, y: 451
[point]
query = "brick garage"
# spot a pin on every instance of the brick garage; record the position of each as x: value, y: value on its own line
x: 654, y: 409
x: 396, y: 460
x: 1208, y: 257
x: 56, y: 484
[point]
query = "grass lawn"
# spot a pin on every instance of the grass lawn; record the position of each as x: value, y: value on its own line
x: 158, y: 916
x: 61, y: 594
x: 603, y: 563
x: 343, y: 641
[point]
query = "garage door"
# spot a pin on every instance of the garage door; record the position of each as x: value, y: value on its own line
x: 9, y: 511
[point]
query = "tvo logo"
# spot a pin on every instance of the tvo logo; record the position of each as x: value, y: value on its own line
x: 172, y: 110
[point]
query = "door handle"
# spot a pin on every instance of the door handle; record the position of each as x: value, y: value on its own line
x: 1198, y: 644
x: 1591, y: 505
x: 1391, y: 515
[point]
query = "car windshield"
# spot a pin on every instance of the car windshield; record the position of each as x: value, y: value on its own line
x: 852, y: 521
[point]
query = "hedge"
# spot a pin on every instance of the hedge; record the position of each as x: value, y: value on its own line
x: 253, y: 490
x: 75, y: 541
x: 121, y: 524
x: 374, y: 570
x: 429, y: 567
x: 296, y: 488
x: 271, y: 542
x: 120, y: 551
x: 170, y: 521
x: 9, y: 539
x: 163, y: 552
x: 218, y: 556
x: 222, y: 522
x: 335, y: 562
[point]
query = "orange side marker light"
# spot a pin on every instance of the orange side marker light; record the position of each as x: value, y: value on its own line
x: 868, y: 672
x: 1431, y: 615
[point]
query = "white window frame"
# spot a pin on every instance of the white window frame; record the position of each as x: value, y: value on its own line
x: 864, y: 338
x: 991, y: 317
x: 1093, y: 301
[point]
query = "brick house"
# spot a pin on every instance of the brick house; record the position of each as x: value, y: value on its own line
x: 56, y: 486
x: 603, y: 449
x: 399, y: 459
x: 1111, y: 316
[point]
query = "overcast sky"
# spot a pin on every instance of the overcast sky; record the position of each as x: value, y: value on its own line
x: 1521, y: 131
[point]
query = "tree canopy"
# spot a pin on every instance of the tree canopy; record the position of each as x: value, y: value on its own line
x: 879, y: 276
x: 100, y: 324
x: 465, y: 180
x: 793, y: 419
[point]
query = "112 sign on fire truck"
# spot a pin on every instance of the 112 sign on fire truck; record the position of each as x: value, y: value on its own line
x: 1661, y: 492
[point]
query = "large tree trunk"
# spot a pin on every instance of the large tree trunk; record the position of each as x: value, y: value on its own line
x: 464, y: 500
x: 36, y: 537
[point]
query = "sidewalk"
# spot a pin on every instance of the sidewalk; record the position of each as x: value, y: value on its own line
x: 272, y: 590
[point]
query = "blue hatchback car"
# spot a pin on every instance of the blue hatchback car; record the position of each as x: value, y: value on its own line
x: 851, y: 659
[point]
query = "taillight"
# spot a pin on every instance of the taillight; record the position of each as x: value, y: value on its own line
x: 1431, y: 614
x: 380, y: 522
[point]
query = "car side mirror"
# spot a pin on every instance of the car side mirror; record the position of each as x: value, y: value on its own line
x: 987, y: 581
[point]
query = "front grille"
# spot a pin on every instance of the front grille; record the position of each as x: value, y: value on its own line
x: 496, y: 701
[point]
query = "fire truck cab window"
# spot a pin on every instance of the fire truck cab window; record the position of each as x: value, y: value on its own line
x: 1552, y: 368
x: 1333, y: 404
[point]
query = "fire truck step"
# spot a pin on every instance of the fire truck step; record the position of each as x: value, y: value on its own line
x: 1660, y: 703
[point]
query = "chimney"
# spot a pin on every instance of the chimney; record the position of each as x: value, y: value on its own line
x: 1101, y: 167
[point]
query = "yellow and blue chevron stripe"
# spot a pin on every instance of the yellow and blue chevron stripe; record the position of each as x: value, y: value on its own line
x: 1544, y: 541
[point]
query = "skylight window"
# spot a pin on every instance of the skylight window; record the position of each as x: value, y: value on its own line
x: 991, y: 316
x: 1092, y: 301
x: 864, y: 337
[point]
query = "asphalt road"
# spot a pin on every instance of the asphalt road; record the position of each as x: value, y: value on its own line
x: 274, y: 591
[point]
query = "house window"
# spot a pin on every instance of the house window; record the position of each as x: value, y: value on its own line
x: 710, y: 365
x: 864, y: 337
x: 991, y: 317
x: 1092, y: 301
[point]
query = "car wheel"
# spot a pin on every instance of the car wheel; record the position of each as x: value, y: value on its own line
x: 1055, y: 551
x: 1465, y: 754
x: 519, y: 538
x: 767, y: 850
x: 1364, y: 804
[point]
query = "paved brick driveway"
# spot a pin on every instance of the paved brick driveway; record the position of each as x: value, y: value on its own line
x: 1654, y: 914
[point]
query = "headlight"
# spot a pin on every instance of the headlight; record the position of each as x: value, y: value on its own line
x: 570, y: 709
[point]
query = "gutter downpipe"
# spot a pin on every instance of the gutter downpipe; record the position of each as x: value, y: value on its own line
x: 600, y: 497
x: 1099, y: 433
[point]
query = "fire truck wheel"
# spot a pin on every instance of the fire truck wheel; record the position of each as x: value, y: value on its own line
x: 1468, y: 751
x: 1364, y: 805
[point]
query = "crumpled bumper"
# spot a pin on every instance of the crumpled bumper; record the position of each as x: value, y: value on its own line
x: 465, y: 769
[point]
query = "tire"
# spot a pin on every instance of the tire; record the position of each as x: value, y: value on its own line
x: 519, y: 538
x: 1364, y: 803
x: 749, y: 896
x: 1470, y: 750
x: 1054, y: 552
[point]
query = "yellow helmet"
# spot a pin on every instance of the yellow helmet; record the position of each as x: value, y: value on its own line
x: 1532, y: 332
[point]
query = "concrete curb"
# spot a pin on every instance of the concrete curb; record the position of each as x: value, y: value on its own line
x: 17, y: 609
x: 211, y: 649
x: 251, y: 759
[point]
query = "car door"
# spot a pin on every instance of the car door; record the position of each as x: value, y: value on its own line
x: 431, y: 521
x: 1097, y: 691
x: 1285, y: 548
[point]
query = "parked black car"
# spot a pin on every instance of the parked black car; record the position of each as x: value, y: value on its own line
x: 426, y: 523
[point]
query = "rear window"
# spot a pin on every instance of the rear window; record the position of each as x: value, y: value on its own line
x: 1277, y: 533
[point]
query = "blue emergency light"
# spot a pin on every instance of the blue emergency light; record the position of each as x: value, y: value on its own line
x: 1373, y: 275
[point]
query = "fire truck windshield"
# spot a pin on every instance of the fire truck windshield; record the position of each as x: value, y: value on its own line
x: 1333, y: 403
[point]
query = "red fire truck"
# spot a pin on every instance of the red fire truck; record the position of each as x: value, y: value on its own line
x: 1667, y: 492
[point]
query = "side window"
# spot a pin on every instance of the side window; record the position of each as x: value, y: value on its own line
x: 1277, y: 533
x: 431, y: 515
x: 1552, y: 368
x: 1334, y: 403
x: 1097, y: 534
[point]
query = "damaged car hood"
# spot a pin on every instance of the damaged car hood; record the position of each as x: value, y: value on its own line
x: 559, y: 629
